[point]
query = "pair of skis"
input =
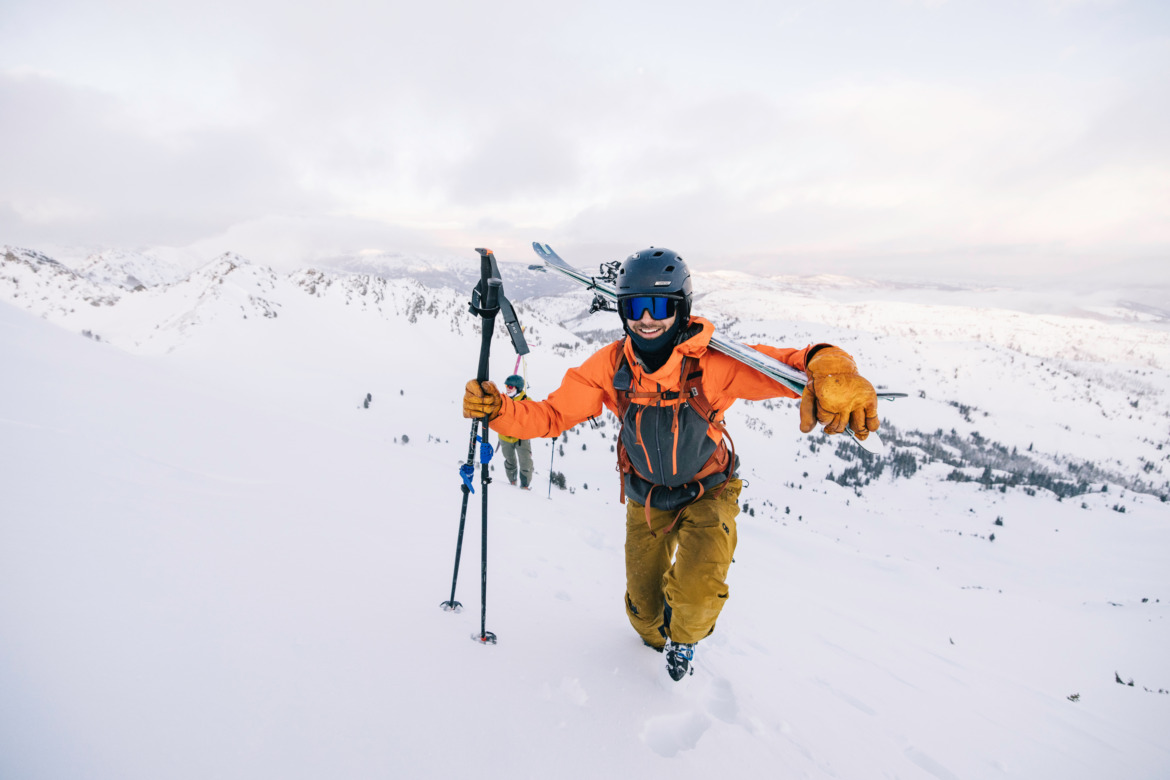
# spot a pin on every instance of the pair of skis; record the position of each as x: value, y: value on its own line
x: 605, y: 297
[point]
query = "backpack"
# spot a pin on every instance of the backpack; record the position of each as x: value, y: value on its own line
x: 718, y: 467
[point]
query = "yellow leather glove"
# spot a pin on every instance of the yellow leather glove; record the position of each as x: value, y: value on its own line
x: 481, y: 400
x: 837, y: 395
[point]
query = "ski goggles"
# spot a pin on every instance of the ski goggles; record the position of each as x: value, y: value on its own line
x: 659, y: 306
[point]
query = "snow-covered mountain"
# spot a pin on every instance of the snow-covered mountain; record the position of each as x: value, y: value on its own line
x: 215, y: 560
x: 1014, y: 380
x: 130, y: 270
x: 46, y: 287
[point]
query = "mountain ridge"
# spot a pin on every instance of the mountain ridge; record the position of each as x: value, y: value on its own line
x: 951, y: 359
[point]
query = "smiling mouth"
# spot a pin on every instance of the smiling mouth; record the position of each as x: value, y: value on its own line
x: 649, y: 332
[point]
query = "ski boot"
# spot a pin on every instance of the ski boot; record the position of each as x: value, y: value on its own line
x: 678, y: 659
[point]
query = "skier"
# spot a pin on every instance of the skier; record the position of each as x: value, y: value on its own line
x: 679, y: 469
x: 515, y: 448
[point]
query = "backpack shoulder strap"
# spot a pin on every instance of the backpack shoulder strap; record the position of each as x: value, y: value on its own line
x: 701, y: 404
x: 623, y: 380
x: 693, y: 387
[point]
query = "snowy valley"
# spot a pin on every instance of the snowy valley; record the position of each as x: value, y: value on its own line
x: 216, y: 560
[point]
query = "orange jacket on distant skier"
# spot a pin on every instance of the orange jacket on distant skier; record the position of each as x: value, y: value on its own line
x: 667, y: 442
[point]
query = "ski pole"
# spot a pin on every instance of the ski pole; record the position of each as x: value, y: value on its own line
x: 466, y: 471
x: 486, y: 294
x: 489, y: 310
x: 487, y: 300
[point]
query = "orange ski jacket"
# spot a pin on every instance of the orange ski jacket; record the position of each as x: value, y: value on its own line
x: 521, y: 396
x: 668, y: 445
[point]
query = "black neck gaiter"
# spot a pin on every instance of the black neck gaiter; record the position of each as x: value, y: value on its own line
x: 655, y: 352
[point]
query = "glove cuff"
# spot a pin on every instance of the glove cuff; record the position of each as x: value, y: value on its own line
x: 831, y: 360
x: 813, y: 350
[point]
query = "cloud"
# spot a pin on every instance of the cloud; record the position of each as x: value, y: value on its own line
x: 86, y: 171
x: 802, y: 132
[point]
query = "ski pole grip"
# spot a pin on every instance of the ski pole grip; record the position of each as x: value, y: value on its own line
x: 491, y: 298
x: 485, y: 265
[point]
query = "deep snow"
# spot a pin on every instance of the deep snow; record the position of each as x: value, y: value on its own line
x: 215, y: 563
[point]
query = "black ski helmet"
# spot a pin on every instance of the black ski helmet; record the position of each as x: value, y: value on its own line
x: 656, y: 272
x: 515, y: 381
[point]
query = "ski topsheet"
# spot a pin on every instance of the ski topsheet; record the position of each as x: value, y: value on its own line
x: 783, y: 373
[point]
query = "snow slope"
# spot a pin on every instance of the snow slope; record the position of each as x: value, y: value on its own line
x: 215, y: 563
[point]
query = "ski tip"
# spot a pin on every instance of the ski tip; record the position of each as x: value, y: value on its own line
x: 546, y: 253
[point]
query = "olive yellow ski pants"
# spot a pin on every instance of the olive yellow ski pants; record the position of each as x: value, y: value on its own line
x: 685, y: 569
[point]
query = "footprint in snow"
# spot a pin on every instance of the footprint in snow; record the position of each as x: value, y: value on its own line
x: 929, y: 765
x: 720, y: 700
x: 669, y: 735
x: 569, y: 690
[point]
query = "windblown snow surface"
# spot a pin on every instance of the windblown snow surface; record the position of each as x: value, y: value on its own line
x: 216, y: 562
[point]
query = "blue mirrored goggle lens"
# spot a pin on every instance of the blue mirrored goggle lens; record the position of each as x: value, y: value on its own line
x: 660, y: 308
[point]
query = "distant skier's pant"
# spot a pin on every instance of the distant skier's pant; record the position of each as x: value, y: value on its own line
x: 514, y: 450
x: 695, y: 584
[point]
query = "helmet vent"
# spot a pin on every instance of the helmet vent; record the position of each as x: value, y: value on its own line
x: 658, y: 253
x: 669, y: 268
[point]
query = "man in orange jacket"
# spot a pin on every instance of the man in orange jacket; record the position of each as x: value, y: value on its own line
x: 679, y: 470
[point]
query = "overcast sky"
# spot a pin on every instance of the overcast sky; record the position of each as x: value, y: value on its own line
x: 876, y: 138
